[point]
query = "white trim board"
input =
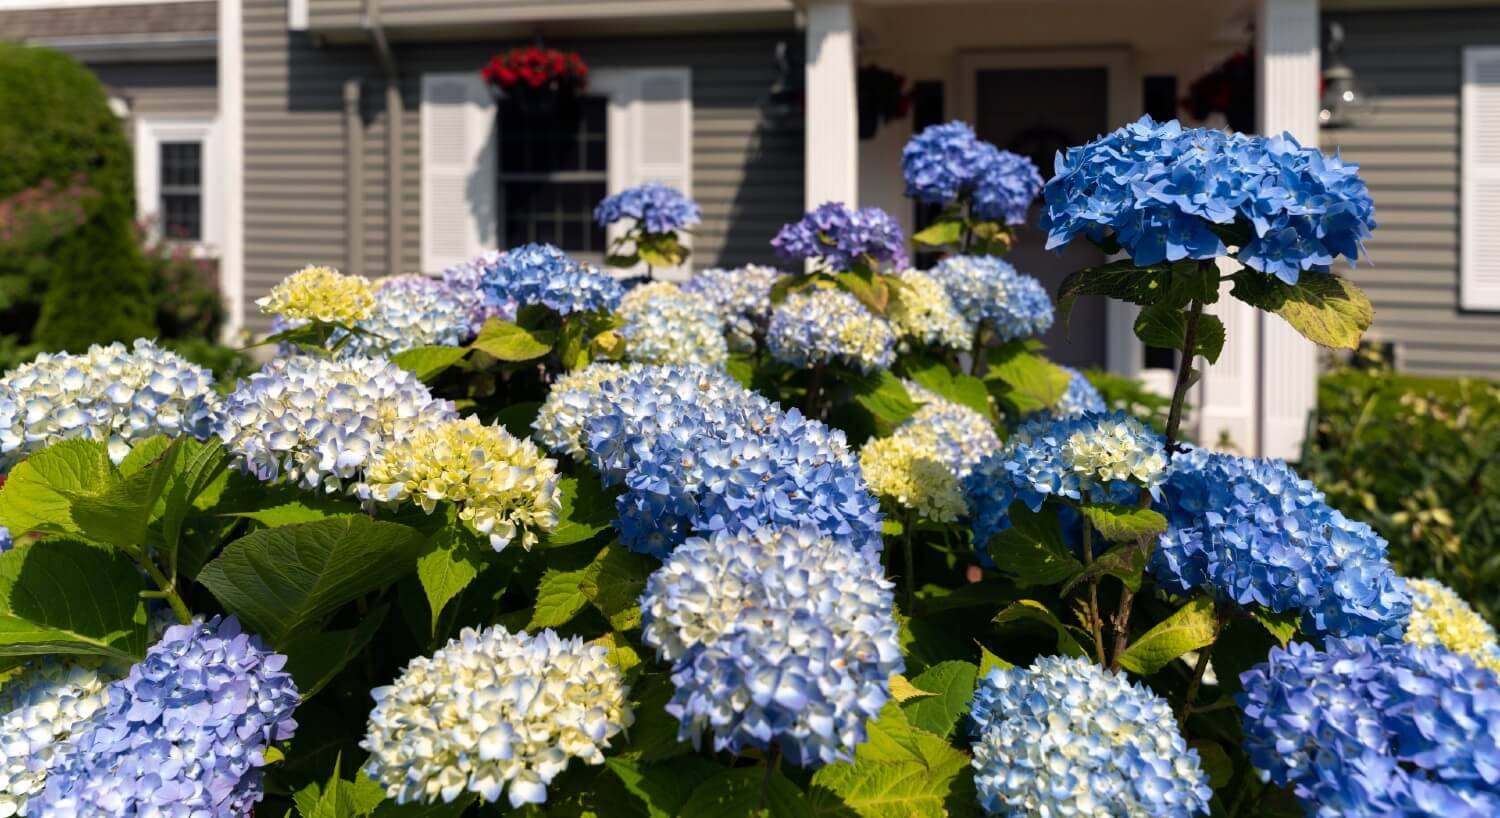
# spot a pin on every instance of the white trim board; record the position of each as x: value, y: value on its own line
x: 231, y: 68
x: 150, y: 133
x: 38, y: 5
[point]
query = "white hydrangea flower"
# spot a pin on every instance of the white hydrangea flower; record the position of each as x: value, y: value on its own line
x: 922, y: 311
x: 908, y: 468
x: 572, y: 400
x: 108, y: 394
x: 664, y: 325
x: 494, y: 711
x: 503, y: 486
x: 41, y: 707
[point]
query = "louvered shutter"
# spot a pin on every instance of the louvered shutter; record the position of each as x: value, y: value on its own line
x: 650, y: 132
x: 459, y: 209
x: 1480, y: 276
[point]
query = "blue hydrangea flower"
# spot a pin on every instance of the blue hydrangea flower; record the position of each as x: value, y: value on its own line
x: 824, y: 326
x: 110, y: 394
x: 465, y: 277
x: 963, y: 437
x: 655, y: 207
x: 6, y: 541
x: 698, y: 453
x: 991, y: 488
x: 1079, y: 397
x: 1369, y: 727
x: 778, y: 635
x: 1067, y: 737
x: 185, y: 733
x: 319, y: 423
x: 1253, y: 532
x: 42, y: 705
x: 414, y: 310
x: 742, y: 298
x: 843, y: 237
x: 1157, y: 188
x: 1066, y: 457
x: 494, y: 711
x: 946, y: 162
x: 1006, y: 187
x: 991, y: 294
x: 543, y: 274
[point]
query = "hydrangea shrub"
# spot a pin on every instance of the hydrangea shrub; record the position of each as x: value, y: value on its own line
x: 528, y: 539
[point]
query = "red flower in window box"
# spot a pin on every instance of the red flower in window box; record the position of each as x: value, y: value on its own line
x: 530, y: 70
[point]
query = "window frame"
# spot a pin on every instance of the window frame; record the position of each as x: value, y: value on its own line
x: 600, y: 177
x: 151, y: 132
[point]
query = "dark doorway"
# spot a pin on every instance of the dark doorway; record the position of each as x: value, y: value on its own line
x: 1036, y: 112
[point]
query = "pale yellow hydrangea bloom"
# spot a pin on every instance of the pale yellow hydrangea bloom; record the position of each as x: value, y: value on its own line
x: 321, y: 294
x: 1112, y: 451
x: 923, y: 312
x: 637, y: 297
x: 907, y: 468
x: 1440, y: 617
x: 502, y: 484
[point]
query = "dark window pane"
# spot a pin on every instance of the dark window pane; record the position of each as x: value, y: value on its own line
x: 181, y: 164
x: 595, y: 156
x: 575, y: 234
x: 181, y: 216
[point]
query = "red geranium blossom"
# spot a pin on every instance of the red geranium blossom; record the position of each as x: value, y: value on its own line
x: 536, y: 68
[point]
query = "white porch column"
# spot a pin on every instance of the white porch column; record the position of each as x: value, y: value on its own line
x: 1287, y: 33
x: 832, y: 151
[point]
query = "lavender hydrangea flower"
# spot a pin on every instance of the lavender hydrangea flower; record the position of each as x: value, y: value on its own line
x: 185, y: 733
x: 946, y: 162
x: 843, y: 237
x: 1253, y: 532
x: 543, y: 274
x: 464, y: 279
x: 1067, y: 737
x: 110, y: 394
x: 319, y: 423
x: 1369, y: 727
x: 655, y: 207
x: 990, y: 294
x: 1158, y: 188
x: 780, y: 635
x: 826, y: 326
x: 42, y: 705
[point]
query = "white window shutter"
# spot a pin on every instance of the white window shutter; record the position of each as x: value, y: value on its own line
x: 1479, y: 286
x: 459, y: 208
x: 650, y: 132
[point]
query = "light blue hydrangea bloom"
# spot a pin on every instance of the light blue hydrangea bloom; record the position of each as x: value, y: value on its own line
x: 1067, y: 737
x: 414, y: 310
x: 662, y: 324
x: 1370, y: 727
x: 964, y: 437
x: 990, y: 293
x: 1157, y: 188
x: 465, y: 277
x: 698, y: 453
x: 494, y: 711
x: 655, y: 208
x: 1066, y: 457
x: 780, y: 635
x: 1079, y: 397
x: 843, y: 237
x: 185, y: 733
x: 825, y: 326
x: 6, y: 541
x: 542, y: 274
x: 111, y: 394
x: 319, y: 423
x: 742, y: 298
x: 1253, y: 532
x: 42, y: 706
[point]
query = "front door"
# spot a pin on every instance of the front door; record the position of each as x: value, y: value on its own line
x: 1036, y: 112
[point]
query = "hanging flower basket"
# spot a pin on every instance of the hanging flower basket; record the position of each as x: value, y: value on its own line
x: 882, y: 98
x: 540, y: 80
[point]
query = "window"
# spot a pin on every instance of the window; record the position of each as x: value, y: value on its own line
x: 181, y: 189
x: 553, y: 170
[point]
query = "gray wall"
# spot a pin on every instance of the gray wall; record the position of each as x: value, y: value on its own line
x: 164, y: 88
x: 746, y: 175
x: 1408, y: 151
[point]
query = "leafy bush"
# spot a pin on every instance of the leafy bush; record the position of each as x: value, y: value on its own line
x: 1418, y: 459
x: 67, y: 184
x: 870, y: 555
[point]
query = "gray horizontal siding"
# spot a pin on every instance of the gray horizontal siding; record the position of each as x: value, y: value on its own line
x: 346, y: 14
x: 746, y: 175
x: 164, y: 89
x: 1407, y: 147
x: 97, y: 21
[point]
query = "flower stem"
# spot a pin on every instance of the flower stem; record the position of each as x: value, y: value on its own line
x: 1200, y: 668
x: 773, y: 760
x: 815, y: 392
x: 167, y: 589
x: 911, y: 567
x: 1121, y: 622
x: 976, y: 355
x: 1096, y: 624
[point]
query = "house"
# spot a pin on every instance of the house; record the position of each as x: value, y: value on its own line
x: 359, y: 133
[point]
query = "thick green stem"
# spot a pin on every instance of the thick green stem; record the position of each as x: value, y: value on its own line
x: 773, y: 760
x: 1096, y: 624
x: 911, y: 567
x: 815, y: 392
x: 167, y: 589
x: 976, y: 355
x: 1121, y: 620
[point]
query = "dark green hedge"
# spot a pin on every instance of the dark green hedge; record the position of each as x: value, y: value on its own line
x: 71, y: 271
x: 1418, y: 459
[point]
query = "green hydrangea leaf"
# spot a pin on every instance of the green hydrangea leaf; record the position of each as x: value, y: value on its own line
x: 1122, y: 523
x: 512, y: 342
x: 1192, y: 627
x: 36, y: 495
x: 1324, y: 308
x: 952, y: 686
x: 62, y: 595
